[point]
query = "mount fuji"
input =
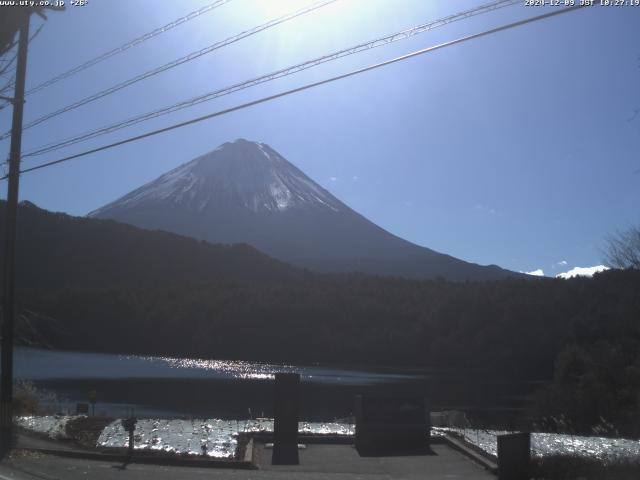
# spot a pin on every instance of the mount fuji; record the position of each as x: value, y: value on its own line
x: 246, y: 192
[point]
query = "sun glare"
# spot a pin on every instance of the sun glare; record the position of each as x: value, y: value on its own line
x: 276, y: 8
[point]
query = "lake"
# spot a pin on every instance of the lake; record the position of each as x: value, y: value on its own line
x: 177, y: 387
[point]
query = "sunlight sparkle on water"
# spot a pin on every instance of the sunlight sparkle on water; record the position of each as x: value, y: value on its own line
x: 233, y: 368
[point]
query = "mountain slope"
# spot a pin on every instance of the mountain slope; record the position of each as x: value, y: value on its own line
x: 55, y: 250
x: 245, y: 192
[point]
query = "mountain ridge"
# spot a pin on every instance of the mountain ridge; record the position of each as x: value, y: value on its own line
x: 93, y: 253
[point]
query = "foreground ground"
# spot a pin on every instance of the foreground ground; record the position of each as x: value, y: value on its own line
x: 334, y: 462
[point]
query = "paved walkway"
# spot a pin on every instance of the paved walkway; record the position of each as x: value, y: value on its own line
x: 446, y: 466
x: 343, y: 461
x: 318, y: 462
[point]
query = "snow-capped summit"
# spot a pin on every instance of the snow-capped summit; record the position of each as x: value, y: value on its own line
x: 246, y: 192
x: 239, y: 174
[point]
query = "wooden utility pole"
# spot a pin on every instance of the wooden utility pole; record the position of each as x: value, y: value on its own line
x: 11, y: 211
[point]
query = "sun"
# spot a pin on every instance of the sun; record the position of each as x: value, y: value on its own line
x: 304, y: 27
x: 277, y: 8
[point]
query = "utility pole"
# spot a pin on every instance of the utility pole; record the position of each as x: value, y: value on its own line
x: 11, y: 211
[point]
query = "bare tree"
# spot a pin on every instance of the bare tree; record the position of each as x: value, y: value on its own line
x: 623, y: 249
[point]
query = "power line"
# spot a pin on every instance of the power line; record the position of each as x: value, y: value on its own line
x: 5, y: 88
x: 306, y: 87
x: 127, y: 46
x: 11, y: 81
x: 8, y: 65
x: 7, y: 70
x: 378, y: 42
x: 174, y: 63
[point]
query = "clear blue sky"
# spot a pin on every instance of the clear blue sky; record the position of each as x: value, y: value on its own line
x: 517, y: 149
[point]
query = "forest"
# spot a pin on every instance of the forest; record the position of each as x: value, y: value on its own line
x: 94, y: 285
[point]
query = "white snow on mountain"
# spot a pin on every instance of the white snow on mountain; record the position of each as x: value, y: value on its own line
x: 536, y: 273
x: 582, y: 272
x: 240, y: 173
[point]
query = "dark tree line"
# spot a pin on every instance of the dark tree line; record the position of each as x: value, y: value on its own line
x: 583, y: 334
x: 101, y: 286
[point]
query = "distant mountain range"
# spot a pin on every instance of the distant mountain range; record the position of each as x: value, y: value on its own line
x: 246, y: 192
